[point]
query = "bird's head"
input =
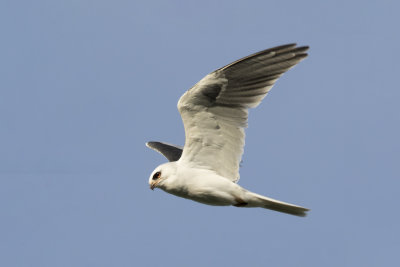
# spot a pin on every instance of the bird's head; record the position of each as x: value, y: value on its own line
x: 162, y: 176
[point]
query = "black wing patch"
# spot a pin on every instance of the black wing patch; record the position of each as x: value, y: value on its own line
x: 171, y: 152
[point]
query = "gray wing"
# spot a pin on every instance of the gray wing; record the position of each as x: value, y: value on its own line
x: 214, y: 111
x: 171, y: 152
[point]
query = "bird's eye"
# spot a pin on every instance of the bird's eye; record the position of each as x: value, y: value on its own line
x: 156, y: 175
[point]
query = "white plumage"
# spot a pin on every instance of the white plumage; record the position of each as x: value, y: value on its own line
x: 214, y: 114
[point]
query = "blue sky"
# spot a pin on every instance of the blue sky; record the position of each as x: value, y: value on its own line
x: 84, y: 84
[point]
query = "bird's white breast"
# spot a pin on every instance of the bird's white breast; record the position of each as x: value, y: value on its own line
x: 203, y: 186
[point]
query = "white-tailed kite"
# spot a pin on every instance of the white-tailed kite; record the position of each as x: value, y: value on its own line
x: 214, y: 114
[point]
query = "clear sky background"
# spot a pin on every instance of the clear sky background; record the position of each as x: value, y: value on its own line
x: 84, y: 84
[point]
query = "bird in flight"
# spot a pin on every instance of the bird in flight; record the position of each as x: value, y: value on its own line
x: 214, y: 113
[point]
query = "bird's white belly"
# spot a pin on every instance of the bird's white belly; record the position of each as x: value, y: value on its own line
x: 211, y: 190
x: 205, y: 196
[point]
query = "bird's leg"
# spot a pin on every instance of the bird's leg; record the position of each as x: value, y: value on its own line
x: 240, y: 202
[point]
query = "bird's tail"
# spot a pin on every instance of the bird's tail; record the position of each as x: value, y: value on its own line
x: 272, y: 204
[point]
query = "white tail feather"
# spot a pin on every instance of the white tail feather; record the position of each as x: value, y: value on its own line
x: 272, y: 204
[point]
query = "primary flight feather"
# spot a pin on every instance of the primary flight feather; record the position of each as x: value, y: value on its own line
x: 214, y: 113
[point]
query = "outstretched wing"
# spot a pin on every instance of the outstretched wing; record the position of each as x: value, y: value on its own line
x: 171, y: 152
x: 215, y: 110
